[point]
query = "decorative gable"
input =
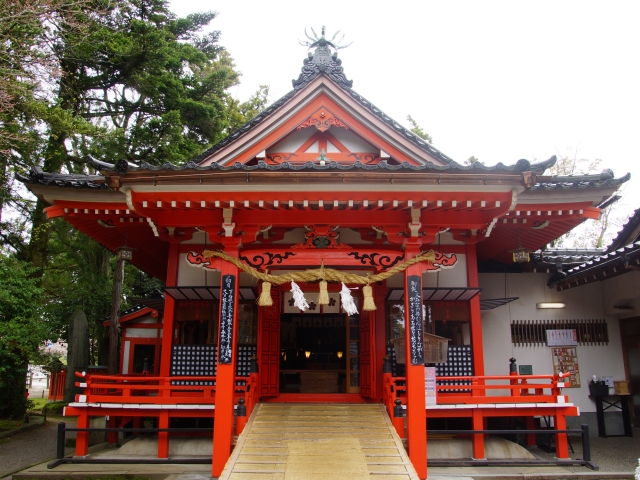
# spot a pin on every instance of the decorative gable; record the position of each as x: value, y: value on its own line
x: 322, y: 138
x: 322, y: 114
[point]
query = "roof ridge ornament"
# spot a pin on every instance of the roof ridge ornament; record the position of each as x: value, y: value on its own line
x: 323, y: 60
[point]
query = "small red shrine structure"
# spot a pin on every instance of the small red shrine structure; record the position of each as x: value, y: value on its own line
x: 321, y: 179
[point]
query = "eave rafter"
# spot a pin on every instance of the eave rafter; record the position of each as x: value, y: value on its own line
x: 533, y: 226
x: 391, y: 212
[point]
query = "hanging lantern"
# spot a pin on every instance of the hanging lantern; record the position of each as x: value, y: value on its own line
x: 124, y: 253
x: 520, y: 255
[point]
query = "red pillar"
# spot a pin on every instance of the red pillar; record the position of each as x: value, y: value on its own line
x: 169, y: 308
x: 562, y: 448
x: 225, y: 382
x: 380, y: 336
x: 82, y: 438
x: 416, y: 413
x: 475, y: 326
x: 478, y: 438
x: 163, y: 437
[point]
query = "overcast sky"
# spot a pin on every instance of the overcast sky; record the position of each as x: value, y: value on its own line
x: 500, y: 80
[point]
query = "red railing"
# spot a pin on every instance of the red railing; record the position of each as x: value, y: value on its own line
x: 478, y: 389
x: 143, y: 389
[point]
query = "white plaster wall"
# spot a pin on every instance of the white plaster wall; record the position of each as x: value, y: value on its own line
x: 623, y: 290
x: 193, y: 275
x: 142, y: 333
x: 445, y: 238
x: 293, y: 141
x: 455, y: 276
x: 353, y: 142
x: 585, y: 302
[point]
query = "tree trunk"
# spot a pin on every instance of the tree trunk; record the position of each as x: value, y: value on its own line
x: 55, y: 156
x: 118, y: 277
x: 77, y: 354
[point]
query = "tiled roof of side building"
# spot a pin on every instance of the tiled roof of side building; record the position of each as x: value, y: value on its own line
x: 64, y: 180
x: 621, y: 256
x: 630, y: 232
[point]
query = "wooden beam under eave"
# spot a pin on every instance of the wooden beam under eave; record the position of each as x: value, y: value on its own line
x: 279, y: 177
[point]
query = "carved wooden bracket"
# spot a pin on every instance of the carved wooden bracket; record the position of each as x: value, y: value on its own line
x: 322, y: 120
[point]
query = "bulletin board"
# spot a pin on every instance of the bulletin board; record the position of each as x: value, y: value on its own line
x: 565, y: 359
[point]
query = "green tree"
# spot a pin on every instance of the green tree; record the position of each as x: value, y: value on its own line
x: 241, y: 113
x: 22, y: 331
x: 135, y: 82
x: 415, y: 128
x: 114, y: 79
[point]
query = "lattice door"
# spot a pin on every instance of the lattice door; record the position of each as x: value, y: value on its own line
x: 269, y: 347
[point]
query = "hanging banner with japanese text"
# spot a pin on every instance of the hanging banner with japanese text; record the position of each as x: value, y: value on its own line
x: 227, y: 307
x: 414, y: 295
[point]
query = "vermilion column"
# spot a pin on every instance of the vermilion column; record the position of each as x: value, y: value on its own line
x: 416, y: 414
x: 475, y: 326
x: 225, y: 381
x: 169, y: 307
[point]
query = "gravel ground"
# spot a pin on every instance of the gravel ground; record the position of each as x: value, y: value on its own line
x: 612, y: 454
x: 29, y: 447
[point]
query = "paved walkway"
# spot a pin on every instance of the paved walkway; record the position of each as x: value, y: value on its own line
x: 319, y: 442
x: 617, y: 454
x: 29, y: 447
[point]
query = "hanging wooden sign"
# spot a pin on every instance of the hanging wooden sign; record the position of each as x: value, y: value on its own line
x: 414, y: 283
x: 566, y: 360
x: 227, y: 312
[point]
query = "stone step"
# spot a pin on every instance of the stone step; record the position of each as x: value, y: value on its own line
x: 319, y: 442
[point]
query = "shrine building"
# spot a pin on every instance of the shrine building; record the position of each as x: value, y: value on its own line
x: 323, y: 253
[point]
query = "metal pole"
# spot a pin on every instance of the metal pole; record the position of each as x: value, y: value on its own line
x: 61, y: 440
x: 586, y: 446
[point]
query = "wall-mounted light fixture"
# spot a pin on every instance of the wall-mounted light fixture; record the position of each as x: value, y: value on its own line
x: 307, y: 354
x: 550, y: 305
x: 339, y: 354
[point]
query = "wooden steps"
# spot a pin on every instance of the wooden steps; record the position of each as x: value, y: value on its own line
x: 319, y: 442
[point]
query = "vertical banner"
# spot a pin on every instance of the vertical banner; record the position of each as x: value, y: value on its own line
x: 227, y: 304
x: 414, y: 296
x: 430, y: 386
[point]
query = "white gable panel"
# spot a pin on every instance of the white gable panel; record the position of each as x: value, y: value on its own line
x: 331, y: 148
x: 352, y: 142
x: 313, y: 148
x: 293, y: 141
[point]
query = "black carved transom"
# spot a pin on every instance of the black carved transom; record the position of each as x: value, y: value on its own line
x: 321, y: 242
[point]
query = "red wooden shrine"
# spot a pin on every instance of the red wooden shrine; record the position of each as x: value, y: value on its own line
x: 322, y: 177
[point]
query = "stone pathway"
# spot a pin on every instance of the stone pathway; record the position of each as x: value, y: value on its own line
x: 29, y: 447
x: 319, y: 442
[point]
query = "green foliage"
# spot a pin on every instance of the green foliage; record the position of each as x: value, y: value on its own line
x: 22, y: 331
x: 240, y: 113
x: 114, y: 79
x: 415, y: 128
x: 53, y: 408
